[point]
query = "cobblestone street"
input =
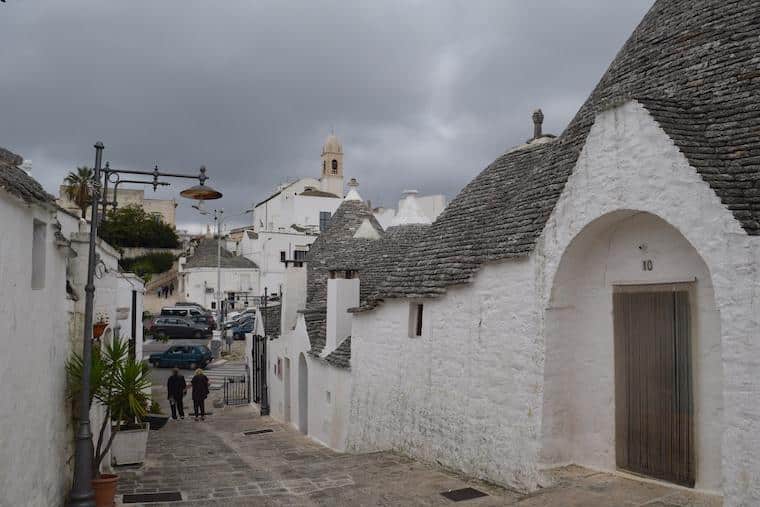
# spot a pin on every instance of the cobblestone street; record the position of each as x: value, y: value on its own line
x: 213, y: 463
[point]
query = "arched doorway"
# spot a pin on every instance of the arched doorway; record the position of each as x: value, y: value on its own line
x: 303, y: 395
x: 632, y: 373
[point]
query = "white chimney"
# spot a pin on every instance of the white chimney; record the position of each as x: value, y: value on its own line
x: 409, y: 211
x: 293, y: 296
x: 26, y: 165
x: 342, y: 294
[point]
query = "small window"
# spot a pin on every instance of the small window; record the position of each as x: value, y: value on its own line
x: 324, y: 219
x: 335, y: 166
x: 415, y: 320
x: 299, y: 255
x: 283, y: 256
x: 39, y: 236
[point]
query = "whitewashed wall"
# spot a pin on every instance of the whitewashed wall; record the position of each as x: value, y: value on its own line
x: 276, y: 212
x: 35, y: 441
x: 629, y: 163
x: 330, y: 399
x: 196, y: 280
x: 290, y: 345
x: 467, y: 392
x: 265, y: 252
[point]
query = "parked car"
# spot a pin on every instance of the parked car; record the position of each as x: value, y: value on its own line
x: 189, y: 312
x: 241, y: 320
x: 196, y: 305
x: 179, y: 327
x: 238, y: 331
x: 182, y: 356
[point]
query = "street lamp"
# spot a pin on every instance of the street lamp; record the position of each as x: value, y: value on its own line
x: 81, y: 491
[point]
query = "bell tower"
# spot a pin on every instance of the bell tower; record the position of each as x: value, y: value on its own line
x: 331, y: 179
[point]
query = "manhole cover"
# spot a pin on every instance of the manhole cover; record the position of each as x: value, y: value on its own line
x: 173, y: 496
x: 257, y: 432
x: 459, y: 495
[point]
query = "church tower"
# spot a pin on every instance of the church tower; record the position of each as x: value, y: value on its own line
x: 332, y: 166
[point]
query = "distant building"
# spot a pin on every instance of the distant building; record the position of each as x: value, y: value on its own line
x: 291, y: 218
x: 165, y: 209
x: 198, y: 277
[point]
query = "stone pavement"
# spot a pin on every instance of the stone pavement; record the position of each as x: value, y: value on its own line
x: 213, y: 463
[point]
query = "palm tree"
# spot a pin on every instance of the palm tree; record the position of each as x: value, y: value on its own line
x: 78, y: 187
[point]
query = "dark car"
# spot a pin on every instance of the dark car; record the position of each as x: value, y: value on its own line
x: 240, y: 319
x: 189, y: 312
x: 238, y: 331
x: 178, y: 327
x: 182, y: 356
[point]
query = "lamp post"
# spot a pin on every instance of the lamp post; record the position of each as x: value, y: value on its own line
x: 219, y: 220
x: 81, y: 491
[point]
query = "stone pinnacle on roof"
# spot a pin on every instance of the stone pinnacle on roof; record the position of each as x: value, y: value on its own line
x: 409, y: 211
x: 538, y: 121
x: 353, y: 194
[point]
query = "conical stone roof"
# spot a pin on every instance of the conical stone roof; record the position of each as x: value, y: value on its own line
x: 692, y: 64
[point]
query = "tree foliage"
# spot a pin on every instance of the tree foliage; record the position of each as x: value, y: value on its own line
x: 148, y: 264
x: 131, y: 226
x: 79, y: 187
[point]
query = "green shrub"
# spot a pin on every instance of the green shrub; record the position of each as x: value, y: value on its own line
x: 148, y: 264
x: 131, y: 226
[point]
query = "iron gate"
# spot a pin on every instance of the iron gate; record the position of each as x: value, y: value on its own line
x: 236, y: 390
x: 259, y: 374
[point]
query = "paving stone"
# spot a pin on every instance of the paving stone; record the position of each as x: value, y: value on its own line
x: 212, y: 465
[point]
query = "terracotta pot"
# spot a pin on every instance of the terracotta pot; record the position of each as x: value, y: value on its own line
x: 105, y: 490
x: 98, y: 328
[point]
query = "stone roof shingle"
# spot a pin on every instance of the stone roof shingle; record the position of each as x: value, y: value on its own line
x: 692, y: 64
x: 17, y: 182
x: 270, y: 315
x: 341, y: 356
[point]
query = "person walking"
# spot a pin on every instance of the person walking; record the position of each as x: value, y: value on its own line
x: 176, y: 387
x: 200, y: 391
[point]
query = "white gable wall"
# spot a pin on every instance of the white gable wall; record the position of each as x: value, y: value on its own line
x: 629, y: 163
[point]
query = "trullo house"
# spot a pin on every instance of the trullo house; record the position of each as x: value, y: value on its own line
x: 591, y: 298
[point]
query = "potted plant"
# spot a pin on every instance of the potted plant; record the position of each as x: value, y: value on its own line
x: 100, y: 325
x: 155, y: 418
x: 129, y: 404
x: 112, y: 381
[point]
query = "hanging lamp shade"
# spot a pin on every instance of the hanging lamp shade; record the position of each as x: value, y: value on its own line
x: 201, y: 192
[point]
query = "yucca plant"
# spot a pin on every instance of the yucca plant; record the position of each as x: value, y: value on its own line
x: 117, y: 382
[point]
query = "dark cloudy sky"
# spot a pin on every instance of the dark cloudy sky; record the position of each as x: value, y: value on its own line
x: 422, y: 93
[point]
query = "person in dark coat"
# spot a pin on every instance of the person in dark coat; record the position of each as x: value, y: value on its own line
x: 176, y: 387
x: 200, y: 391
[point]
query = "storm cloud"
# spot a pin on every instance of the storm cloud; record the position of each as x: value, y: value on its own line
x: 423, y: 94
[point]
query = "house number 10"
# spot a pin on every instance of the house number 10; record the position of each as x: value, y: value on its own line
x: 647, y: 265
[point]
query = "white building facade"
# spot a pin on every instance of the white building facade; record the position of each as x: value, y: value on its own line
x: 198, y: 277
x: 291, y: 218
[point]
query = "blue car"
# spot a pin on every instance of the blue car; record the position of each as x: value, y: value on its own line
x: 182, y: 356
x: 238, y: 331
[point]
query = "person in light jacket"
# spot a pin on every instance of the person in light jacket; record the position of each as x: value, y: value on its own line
x: 176, y: 388
x: 200, y: 392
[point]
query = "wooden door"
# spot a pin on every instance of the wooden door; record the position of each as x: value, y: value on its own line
x: 653, y: 387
